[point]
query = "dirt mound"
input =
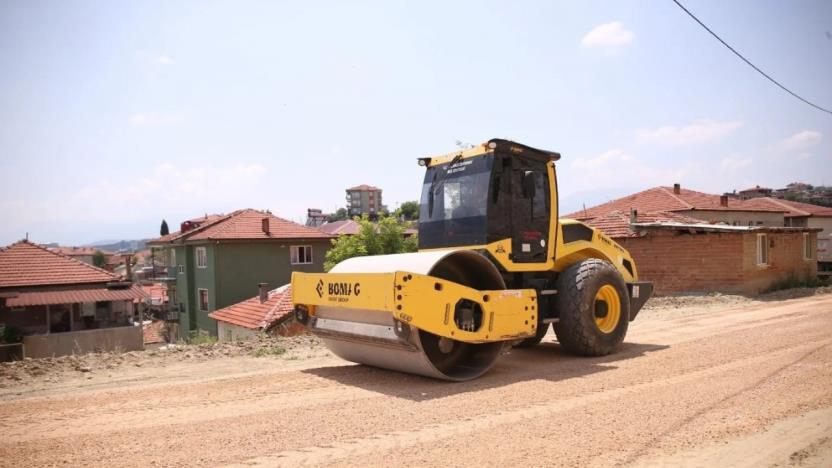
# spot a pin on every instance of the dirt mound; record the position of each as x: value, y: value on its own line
x: 52, y: 369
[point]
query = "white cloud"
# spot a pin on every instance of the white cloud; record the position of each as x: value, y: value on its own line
x: 163, y: 59
x: 604, y: 159
x: 142, y: 119
x: 616, y: 168
x: 733, y: 164
x: 697, y: 132
x: 608, y: 35
x: 800, y: 142
x: 180, y: 189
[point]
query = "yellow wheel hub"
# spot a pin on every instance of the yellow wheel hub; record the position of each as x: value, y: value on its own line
x: 607, y: 308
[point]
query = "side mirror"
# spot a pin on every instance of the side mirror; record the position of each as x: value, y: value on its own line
x: 529, y: 184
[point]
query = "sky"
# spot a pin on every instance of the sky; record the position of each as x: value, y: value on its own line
x: 116, y: 115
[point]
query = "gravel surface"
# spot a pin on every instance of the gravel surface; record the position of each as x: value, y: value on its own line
x: 694, y: 383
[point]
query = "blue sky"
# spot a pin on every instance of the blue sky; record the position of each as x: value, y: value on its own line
x: 114, y: 115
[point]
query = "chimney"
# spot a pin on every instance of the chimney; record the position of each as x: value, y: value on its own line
x: 264, y: 294
x: 677, y: 189
x: 723, y: 200
x: 265, y: 225
x: 633, y: 215
x: 129, y: 267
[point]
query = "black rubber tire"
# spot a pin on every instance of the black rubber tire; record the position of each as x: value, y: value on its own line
x: 536, y: 339
x: 576, y: 329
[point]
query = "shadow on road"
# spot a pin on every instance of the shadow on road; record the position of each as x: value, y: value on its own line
x: 546, y: 361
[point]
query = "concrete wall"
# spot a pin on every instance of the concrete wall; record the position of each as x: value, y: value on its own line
x: 707, y: 262
x: 227, y: 332
x: 205, y: 278
x: 86, y: 341
x: 824, y: 237
x: 741, y: 218
x: 240, y: 267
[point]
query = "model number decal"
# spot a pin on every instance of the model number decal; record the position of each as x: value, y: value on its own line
x: 341, y: 292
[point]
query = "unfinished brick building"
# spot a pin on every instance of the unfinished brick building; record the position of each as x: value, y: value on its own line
x: 689, y: 241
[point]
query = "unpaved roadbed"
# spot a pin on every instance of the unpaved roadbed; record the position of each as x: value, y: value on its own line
x: 692, y: 386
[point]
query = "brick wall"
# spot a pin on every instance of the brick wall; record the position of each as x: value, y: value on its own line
x: 678, y: 262
x: 681, y: 262
x: 785, y: 259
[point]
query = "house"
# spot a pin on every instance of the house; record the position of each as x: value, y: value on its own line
x: 350, y: 227
x: 813, y: 216
x: 680, y: 254
x: 315, y: 217
x: 214, y: 263
x: 702, y: 206
x: 689, y: 241
x: 754, y: 192
x: 268, y: 312
x: 364, y: 199
x: 58, y: 305
x: 84, y: 254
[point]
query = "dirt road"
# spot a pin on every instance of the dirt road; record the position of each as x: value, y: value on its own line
x: 749, y: 385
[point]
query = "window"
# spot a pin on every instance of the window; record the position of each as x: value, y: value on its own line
x: 172, y: 257
x: 762, y: 249
x: 300, y: 254
x: 181, y: 269
x: 201, y: 257
x: 807, y: 246
x: 203, y: 299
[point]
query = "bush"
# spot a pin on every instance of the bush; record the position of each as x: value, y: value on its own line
x: 11, y: 334
x: 197, y: 338
x: 270, y: 351
x: 384, y: 237
x: 793, y: 281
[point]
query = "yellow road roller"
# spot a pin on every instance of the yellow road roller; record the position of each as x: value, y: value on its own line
x: 495, y: 267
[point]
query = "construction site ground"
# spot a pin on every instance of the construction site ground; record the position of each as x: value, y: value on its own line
x: 700, y: 381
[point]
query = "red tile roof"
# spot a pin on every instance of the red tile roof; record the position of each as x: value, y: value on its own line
x: 364, y: 188
x: 73, y: 296
x: 616, y: 224
x: 350, y: 227
x: 797, y: 209
x: 346, y: 226
x: 664, y: 199
x: 254, y: 315
x: 245, y: 225
x: 152, y: 332
x: 26, y: 264
x: 157, y: 292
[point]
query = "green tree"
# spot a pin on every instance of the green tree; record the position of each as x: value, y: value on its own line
x: 339, y: 215
x: 383, y: 237
x: 163, y: 231
x: 99, y: 259
x: 408, y: 210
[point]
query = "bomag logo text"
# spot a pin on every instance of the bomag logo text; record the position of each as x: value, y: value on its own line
x: 340, y: 292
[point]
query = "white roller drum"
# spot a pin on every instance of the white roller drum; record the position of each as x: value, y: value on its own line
x: 370, y: 337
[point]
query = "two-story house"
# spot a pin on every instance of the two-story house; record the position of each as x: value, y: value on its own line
x: 220, y: 261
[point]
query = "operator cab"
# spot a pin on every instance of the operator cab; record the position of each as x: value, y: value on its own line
x: 501, y: 192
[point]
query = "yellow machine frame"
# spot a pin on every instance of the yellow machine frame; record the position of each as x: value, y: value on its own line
x: 421, y: 301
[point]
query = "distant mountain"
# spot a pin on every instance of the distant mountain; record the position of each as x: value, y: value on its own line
x: 119, y: 245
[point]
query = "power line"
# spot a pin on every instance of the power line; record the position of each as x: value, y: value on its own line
x: 748, y: 62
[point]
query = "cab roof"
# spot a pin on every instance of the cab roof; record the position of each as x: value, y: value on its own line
x: 494, y: 144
